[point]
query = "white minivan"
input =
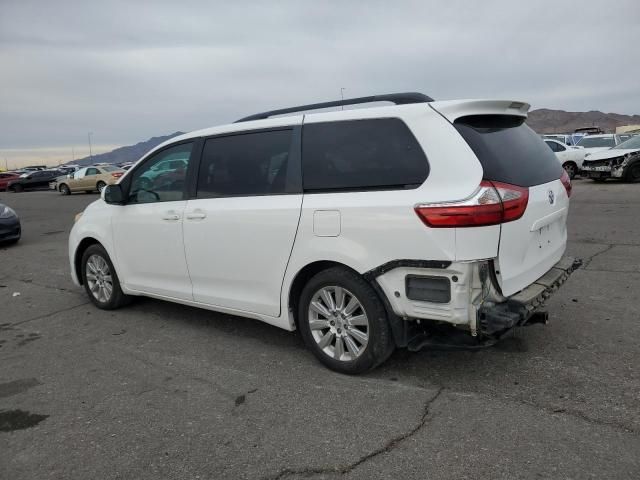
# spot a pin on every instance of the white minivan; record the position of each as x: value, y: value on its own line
x: 416, y: 224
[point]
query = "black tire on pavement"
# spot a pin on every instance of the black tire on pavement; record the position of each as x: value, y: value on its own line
x: 380, y: 343
x: 117, y: 298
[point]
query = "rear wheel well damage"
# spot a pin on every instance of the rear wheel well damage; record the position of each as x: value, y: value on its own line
x: 77, y: 258
x: 397, y: 324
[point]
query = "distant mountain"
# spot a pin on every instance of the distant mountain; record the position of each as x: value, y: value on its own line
x: 126, y: 154
x: 545, y: 120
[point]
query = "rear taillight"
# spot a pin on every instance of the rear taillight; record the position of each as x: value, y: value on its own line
x: 566, y: 181
x: 492, y: 204
x: 117, y: 174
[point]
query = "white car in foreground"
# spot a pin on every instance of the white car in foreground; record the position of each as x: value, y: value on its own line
x: 569, y: 157
x: 621, y: 161
x: 366, y: 229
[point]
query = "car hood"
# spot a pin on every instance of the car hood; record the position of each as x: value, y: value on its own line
x: 595, y: 149
x: 611, y: 153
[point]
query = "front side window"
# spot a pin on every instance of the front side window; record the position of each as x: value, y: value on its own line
x: 361, y: 155
x: 80, y: 174
x: 150, y: 184
x: 247, y: 164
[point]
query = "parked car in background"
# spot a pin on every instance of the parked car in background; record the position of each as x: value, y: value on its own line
x: 593, y: 143
x: 89, y: 179
x: 10, y: 229
x: 567, y: 139
x: 621, y: 161
x: 6, y: 177
x: 301, y: 221
x: 570, y: 157
x: 35, y: 180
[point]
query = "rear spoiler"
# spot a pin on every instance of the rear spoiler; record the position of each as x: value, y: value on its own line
x: 454, y: 109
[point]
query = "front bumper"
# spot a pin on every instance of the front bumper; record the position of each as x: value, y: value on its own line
x: 10, y: 229
x: 495, y: 319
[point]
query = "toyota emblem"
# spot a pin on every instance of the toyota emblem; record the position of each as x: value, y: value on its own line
x: 552, y: 197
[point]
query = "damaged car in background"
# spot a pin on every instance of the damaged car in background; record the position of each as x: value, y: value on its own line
x: 621, y: 161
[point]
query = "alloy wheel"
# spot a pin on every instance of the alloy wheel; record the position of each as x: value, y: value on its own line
x: 99, y: 278
x: 338, y: 323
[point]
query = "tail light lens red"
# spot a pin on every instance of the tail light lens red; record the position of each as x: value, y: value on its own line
x: 566, y: 181
x: 492, y: 204
x: 117, y: 174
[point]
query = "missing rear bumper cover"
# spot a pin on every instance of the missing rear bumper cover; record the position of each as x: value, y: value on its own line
x: 520, y: 309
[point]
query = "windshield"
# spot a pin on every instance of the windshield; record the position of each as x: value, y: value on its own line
x: 633, y: 142
x: 589, y: 142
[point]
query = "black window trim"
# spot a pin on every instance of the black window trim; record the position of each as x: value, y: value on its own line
x: 294, y: 164
x: 125, y: 184
x: 380, y: 188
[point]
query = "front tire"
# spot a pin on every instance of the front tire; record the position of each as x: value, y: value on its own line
x: 633, y: 172
x: 343, y: 322
x: 64, y: 189
x: 571, y: 169
x: 101, y: 280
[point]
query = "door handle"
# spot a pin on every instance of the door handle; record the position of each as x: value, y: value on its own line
x: 171, y: 216
x: 197, y: 215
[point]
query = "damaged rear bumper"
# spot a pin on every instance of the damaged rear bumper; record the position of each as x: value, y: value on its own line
x: 494, y: 319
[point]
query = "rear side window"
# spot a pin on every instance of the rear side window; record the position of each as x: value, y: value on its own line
x: 254, y: 163
x: 509, y: 150
x: 361, y: 155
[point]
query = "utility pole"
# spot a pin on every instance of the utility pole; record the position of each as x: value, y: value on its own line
x: 6, y: 164
x: 73, y: 155
x: 90, y: 154
x: 342, y: 89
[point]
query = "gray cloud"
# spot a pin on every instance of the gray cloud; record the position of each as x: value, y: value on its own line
x: 131, y: 70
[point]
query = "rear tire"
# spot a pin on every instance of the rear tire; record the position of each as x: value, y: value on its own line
x: 353, y: 334
x: 101, y: 280
x: 17, y: 188
x: 599, y: 180
x: 100, y: 185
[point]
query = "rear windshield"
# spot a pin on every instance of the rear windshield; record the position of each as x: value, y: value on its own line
x: 509, y: 150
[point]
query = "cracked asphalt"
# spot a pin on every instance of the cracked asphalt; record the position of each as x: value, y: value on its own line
x: 158, y: 390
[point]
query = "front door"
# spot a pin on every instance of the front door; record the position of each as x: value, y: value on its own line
x: 240, y: 228
x: 147, y: 230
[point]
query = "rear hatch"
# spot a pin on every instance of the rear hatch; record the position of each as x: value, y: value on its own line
x: 513, y: 154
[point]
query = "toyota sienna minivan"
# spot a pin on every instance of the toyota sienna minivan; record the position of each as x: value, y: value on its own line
x: 420, y: 223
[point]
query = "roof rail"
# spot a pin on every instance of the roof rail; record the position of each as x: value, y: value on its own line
x: 397, y: 98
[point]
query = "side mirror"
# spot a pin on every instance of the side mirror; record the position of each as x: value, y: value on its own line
x: 113, y: 194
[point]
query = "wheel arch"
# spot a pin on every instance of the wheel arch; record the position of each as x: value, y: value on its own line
x: 77, y: 257
x: 398, y: 325
x: 303, y: 276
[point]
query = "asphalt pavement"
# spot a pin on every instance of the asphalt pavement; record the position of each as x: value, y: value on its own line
x: 158, y: 390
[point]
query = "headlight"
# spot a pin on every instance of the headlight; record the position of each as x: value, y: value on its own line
x: 7, y: 212
x: 77, y: 217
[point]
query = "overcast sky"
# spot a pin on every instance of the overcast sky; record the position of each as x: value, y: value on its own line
x: 131, y: 70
